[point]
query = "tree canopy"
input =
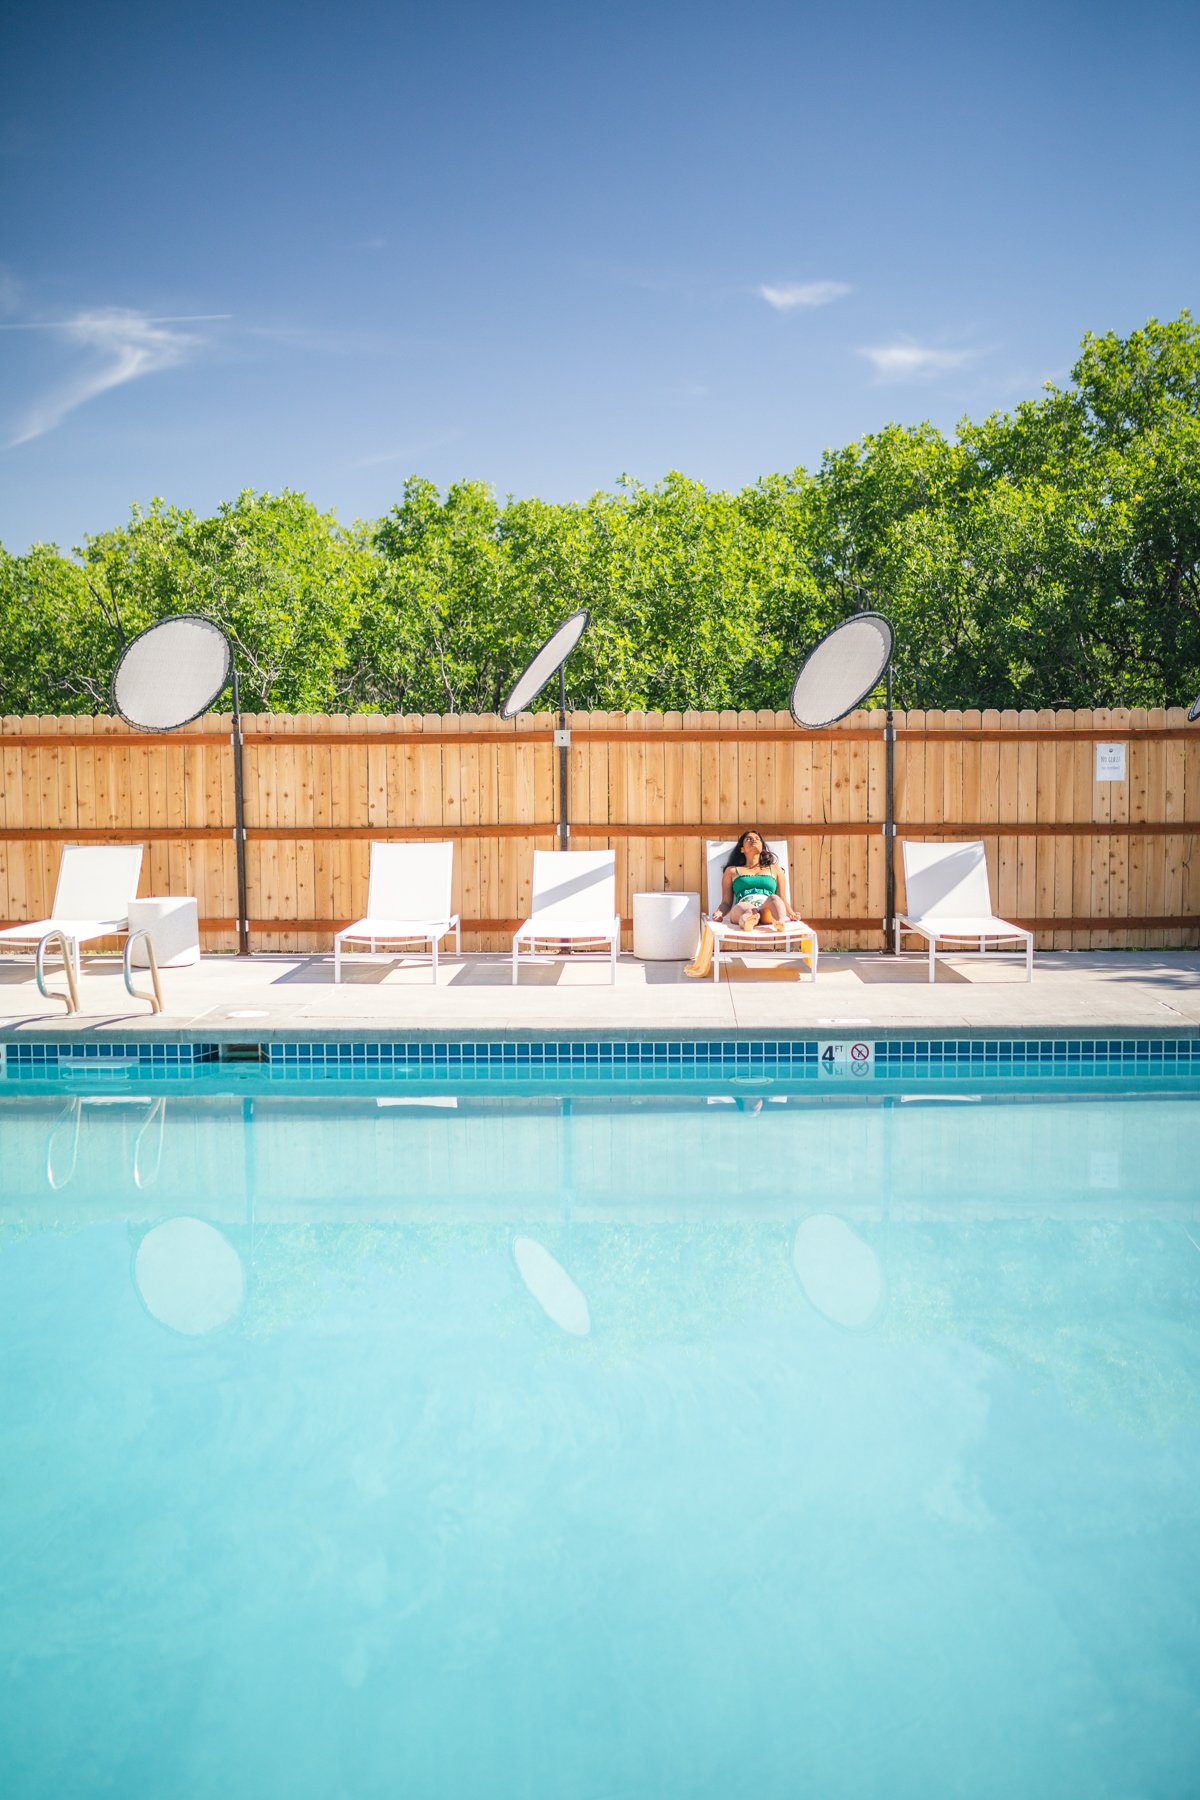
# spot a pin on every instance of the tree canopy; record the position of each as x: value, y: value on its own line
x: 1045, y: 557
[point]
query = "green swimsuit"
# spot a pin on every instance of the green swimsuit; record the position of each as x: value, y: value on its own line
x: 756, y: 882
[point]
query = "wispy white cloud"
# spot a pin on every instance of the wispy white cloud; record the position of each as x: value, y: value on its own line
x: 707, y: 289
x: 125, y: 345
x: 803, y: 293
x: 907, y: 361
x: 370, y: 243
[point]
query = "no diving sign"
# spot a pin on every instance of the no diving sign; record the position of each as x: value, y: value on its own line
x: 846, y: 1059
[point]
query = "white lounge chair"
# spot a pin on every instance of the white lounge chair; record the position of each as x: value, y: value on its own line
x: 96, y: 882
x: 796, y: 940
x: 574, y: 902
x: 408, y: 902
x: 949, y: 903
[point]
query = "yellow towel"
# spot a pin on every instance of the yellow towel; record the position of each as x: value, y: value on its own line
x: 701, y: 964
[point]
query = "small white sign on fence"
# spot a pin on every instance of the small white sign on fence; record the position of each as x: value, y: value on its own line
x: 846, y: 1060
x: 1110, y: 762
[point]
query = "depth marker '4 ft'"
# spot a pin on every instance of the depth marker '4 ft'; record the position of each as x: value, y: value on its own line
x: 846, y: 1059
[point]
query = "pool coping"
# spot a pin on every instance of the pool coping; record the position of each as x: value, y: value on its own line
x: 273, y: 997
x: 220, y: 1034
x: 146, y: 1032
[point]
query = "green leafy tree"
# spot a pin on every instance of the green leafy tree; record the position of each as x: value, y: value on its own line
x: 54, y: 640
x: 284, y: 580
x: 439, y: 616
x: 1045, y: 556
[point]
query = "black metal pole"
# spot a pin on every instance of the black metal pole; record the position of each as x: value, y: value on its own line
x: 562, y: 738
x: 889, y: 820
x: 239, y: 825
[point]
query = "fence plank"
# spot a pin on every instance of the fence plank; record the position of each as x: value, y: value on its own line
x: 1117, y: 846
x: 820, y: 860
x: 878, y: 846
x: 1173, y: 846
x: 1156, y: 797
x: 632, y: 866
x: 1045, y: 849
x: 1097, y: 847
x: 840, y: 858
x: 685, y: 789
x: 489, y: 850
x: 858, y: 874
x: 1062, y: 804
x: 656, y: 801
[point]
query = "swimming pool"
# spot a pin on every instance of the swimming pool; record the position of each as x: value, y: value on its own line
x: 585, y: 1432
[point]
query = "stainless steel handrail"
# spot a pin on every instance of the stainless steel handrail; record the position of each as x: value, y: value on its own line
x: 155, y: 999
x: 71, y: 997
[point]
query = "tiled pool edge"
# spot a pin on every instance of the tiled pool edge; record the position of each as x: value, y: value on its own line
x: 898, y: 1055
x: 147, y: 1032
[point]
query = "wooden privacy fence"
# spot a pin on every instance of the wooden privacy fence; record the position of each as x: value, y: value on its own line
x: 1086, y: 863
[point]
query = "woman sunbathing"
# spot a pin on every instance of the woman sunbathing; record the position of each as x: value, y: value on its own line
x: 754, y: 887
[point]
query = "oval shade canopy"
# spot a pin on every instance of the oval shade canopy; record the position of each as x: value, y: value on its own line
x: 840, y: 671
x: 1195, y: 712
x: 549, y: 659
x: 189, y: 1276
x: 172, y: 672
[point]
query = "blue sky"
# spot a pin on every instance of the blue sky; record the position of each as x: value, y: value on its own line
x: 328, y: 247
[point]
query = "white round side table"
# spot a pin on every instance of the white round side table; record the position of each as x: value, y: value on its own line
x: 666, y: 927
x: 174, y: 926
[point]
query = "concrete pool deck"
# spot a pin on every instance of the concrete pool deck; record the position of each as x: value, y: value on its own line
x: 1086, y: 993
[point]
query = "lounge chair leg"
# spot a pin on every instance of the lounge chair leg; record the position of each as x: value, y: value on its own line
x: 514, y: 979
x: 932, y: 950
x: 337, y: 961
x: 435, y: 962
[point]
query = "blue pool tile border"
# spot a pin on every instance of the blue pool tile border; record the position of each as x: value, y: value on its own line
x: 612, y: 1059
x: 897, y: 1058
x: 165, y: 1056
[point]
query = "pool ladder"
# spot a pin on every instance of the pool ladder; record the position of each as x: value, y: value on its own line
x: 39, y: 970
x: 71, y: 997
x: 155, y: 998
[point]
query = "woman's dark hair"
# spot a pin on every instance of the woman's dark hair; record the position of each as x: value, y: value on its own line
x: 737, y: 855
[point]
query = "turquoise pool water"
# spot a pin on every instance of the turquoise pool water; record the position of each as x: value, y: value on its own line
x: 599, y: 1446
